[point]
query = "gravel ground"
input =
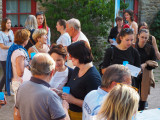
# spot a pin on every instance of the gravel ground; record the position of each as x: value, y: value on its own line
x: 6, y: 112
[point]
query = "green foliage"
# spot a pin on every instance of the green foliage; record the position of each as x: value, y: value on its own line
x: 155, y: 28
x: 123, y: 5
x: 95, y: 16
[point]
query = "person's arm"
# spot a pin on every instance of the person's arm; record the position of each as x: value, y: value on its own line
x: 30, y: 50
x: 16, y: 114
x: 155, y: 47
x: 71, y: 99
x: 137, y: 61
x: 20, y: 65
x: 2, y: 46
x: 49, y: 37
x: 135, y: 28
x: 66, y: 107
x: 111, y: 35
x: 107, y: 59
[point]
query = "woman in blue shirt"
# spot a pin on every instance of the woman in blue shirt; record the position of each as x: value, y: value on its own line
x: 6, y: 40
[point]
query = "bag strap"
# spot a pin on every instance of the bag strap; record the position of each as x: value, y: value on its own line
x: 112, y: 55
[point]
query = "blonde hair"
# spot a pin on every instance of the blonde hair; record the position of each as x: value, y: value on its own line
x: 31, y: 22
x: 38, y: 33
x: 120, y: 104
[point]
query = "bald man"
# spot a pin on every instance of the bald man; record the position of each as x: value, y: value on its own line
x: 35, y: 100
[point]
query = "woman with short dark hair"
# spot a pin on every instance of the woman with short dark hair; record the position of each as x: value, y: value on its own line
x: 63, y: 73
x: 6, y: 40
x: 85, y: 78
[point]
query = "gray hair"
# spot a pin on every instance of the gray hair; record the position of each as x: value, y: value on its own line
x: 116, y: 73
x: 31, y: 22
x: 42, y: 64
x: 75, y: 23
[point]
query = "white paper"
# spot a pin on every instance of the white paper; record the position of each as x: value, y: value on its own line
x: 114, y: 43
x: 133, y: 69
x: 152, y: 114
x: 26, y: 75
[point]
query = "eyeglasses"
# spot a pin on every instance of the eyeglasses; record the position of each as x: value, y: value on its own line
x: 128, y: 86
x: 128, y: 30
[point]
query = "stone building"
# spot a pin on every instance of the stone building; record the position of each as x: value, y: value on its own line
x: 147, y: 10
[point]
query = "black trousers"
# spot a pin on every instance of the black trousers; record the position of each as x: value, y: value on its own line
x: 3, y: 80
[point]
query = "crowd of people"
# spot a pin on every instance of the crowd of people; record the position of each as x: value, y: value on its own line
x: 116, y: 95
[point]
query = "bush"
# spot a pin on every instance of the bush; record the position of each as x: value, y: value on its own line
x: 155, y: 28
x: 96, y: 17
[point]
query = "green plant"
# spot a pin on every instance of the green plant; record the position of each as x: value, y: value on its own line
x: 155, y: 28
x: 95, y: 16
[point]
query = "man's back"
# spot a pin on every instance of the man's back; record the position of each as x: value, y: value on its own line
x: 36, y: 101
x: 92, y: 103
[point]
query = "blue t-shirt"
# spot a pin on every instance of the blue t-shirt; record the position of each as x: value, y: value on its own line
x: 7, y: 40
x: 92, y: 103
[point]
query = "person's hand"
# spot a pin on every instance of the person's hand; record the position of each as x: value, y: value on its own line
x: 68, y: 97
x: 3, y: 102
x: 143, y: 66
x: 65, y: 104
x: 59, y: 92
x: 152, y: 63
x: 110, y: 40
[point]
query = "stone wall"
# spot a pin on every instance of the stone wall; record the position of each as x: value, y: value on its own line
x: 147, y: 10
x: 39, y: 7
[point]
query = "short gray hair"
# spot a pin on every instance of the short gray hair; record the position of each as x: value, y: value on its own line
x: 116, y: 73
x: 42, y: 64
x: 31, y: 22
x: 75, y: 23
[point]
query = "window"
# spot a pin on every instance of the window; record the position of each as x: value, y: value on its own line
x: 133, y: 5
x: 18, y: 10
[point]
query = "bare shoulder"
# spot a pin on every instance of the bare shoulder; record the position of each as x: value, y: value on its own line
x: 135, y: 24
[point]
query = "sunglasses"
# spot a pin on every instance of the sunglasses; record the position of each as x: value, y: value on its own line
x: 9, y: 38
x: 128, y: 86
x: 128, y: 30
x: 39, y: 13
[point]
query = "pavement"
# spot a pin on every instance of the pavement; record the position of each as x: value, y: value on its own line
x: 6, y: 112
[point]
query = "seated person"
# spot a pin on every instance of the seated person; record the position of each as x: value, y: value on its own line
x: 114, y: 74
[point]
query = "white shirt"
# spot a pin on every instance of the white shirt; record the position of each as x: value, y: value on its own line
x: 83, y: 37
x: 59, y: 79
x: 15, y: 54
x: 7, y: 40
x: 64, y: 40
x: 92, y: 103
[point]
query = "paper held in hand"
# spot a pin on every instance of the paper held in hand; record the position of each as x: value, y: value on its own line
x: 26, y: 75
x: 133, y: 69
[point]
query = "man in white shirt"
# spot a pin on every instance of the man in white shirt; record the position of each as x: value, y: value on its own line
x: 114, y: 74
x: 73, y: 27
